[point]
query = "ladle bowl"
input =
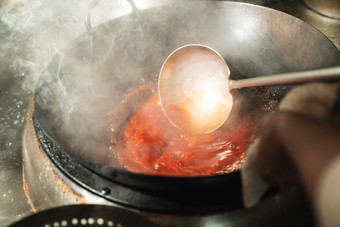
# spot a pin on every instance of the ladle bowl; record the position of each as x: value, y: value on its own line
x: 194, y: 87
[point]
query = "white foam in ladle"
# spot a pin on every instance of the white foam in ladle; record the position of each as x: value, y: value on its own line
x: 194, y: 87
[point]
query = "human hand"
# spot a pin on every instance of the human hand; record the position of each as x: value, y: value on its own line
x: 295, y: 149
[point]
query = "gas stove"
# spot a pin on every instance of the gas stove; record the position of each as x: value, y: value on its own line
x: 15, y: 204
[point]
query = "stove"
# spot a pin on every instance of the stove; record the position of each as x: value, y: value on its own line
x: 16, y: 193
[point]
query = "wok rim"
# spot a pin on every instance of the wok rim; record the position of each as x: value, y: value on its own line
x: 124, y: 172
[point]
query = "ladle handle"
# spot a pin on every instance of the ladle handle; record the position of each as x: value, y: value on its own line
x: 332, y: 73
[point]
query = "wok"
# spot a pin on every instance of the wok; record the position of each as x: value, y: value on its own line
x: 101, y: 67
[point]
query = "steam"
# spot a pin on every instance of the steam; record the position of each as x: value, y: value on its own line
x: 78, y: 88
x: 33, y: 32
x: 79, y: 77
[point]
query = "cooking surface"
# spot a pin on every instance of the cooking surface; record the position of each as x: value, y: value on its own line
x: 13, y: 103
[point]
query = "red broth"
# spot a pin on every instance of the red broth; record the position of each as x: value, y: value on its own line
x: 150, y: 144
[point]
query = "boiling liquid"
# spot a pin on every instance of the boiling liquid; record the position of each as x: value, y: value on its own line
x: 152, y: 145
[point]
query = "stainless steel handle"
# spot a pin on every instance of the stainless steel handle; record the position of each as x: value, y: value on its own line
x: 88, y: 13
x: 332, y: 73
x: 93, y: 4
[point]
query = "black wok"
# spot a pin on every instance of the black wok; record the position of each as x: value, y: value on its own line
x: 98, y: 69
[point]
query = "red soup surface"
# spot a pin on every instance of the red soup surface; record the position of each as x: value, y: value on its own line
x: 150, y: 144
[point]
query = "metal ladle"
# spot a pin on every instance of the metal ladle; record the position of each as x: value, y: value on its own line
x: 194, y: 87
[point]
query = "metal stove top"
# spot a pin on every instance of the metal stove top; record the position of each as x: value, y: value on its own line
x: 14, y: 204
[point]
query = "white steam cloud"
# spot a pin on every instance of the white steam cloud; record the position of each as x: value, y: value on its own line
x: 33, y: 32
